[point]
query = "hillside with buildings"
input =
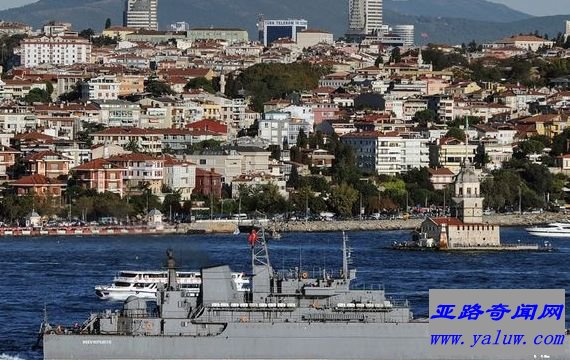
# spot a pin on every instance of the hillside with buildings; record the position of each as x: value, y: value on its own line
x: 208, y: 122
x: 440, y: 22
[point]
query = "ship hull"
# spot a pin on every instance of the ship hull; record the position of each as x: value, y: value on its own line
x: 303, y: 340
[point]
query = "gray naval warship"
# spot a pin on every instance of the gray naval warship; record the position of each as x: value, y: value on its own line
x: 286, y: 315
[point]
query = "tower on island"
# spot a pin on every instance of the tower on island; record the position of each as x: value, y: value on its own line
x: 467, y: 197
x: 466, y: 229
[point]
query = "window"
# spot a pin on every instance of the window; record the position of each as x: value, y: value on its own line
x: 202, y: 161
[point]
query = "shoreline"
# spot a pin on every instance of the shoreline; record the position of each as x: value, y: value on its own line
x: 229, y: 226
x: 511, y: 220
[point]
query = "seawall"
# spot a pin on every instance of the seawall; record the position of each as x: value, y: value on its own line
x: 219, y: 226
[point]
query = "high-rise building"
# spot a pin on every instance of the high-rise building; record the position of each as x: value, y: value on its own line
x: 405, y: 32
x: 141, y: 14
x: 271, y: 30
x: 567, y: 32
x: 364, y: 17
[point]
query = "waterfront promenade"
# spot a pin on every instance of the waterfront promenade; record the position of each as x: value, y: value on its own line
x: 229, y: 226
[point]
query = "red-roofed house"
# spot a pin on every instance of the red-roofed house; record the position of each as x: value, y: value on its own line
x: 38, y: 185
x: 144, y: 139
x: 441, y: 177
x: 48, y: 163
x: 208, y: 182
x: 101, y: 176
x: 209, y: 125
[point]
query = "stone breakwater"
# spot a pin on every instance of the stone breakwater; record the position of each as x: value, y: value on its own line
x: 218, y: 226
x: 410, y: 224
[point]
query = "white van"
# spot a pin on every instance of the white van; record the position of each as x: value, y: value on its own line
x: 239, y: 216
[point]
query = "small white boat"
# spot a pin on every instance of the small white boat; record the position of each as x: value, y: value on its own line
x: 551, y: 230
x: 144, y: 284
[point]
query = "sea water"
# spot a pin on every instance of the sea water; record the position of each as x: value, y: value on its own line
x: 60, y: 272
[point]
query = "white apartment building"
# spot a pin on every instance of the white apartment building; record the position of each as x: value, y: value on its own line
x: 229, y: 165
x: 278, y: 128
x: 388, y: 153
x: 55, y: 50
x: 180, y: 176
x: 17, y: 120
x: 412, y: 106
x: 141, y: 14
x: 446, y: 109
x: 104, y: 87
x: 567, y: 29
x: 119, y: 113
x: 414, y: 152
x: 364, y: 17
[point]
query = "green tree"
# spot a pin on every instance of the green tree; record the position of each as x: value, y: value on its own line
x: 456, y: 133
x: 100, y: 41
x: 37, y: 95
x: 73, y: 95
x: 379, y: 61
x: 302, y: 140
x: 294, y: 178
x: 87, y: 33
x: 481, y: 157
x: 171, y: 205
x: 395, y: 56
x: 343, y: 198
x: 133, y: 146
x: 528, y: 147
x: 424, y: 117
x: 8, y: 58
x: 200, y: 83
x: 49, y: 88
x: 158, y: 88
x: 107, y: 23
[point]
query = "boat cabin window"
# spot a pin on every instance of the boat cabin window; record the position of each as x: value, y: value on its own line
x: 122, y: 284
x: 127, y: 274
x: 190, y: 286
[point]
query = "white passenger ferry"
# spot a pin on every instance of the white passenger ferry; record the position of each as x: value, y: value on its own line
x: 144, y: 284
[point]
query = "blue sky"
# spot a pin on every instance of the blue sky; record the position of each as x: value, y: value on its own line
x: 534, y: 7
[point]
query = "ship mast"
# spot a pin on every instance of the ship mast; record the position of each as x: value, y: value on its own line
x: 171, y: 264
x: 259, y: 252
x: 345, y: 257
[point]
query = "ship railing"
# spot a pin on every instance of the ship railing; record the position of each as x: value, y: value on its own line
x: 140, y: 315
x: 368, y: 287
x: 314, y: 273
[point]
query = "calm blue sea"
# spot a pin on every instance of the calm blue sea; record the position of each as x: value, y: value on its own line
x: 61, y: 272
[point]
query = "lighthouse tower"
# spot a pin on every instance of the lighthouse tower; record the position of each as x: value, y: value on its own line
x: 467, y: 196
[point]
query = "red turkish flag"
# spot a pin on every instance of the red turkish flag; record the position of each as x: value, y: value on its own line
x: 252, y: 238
